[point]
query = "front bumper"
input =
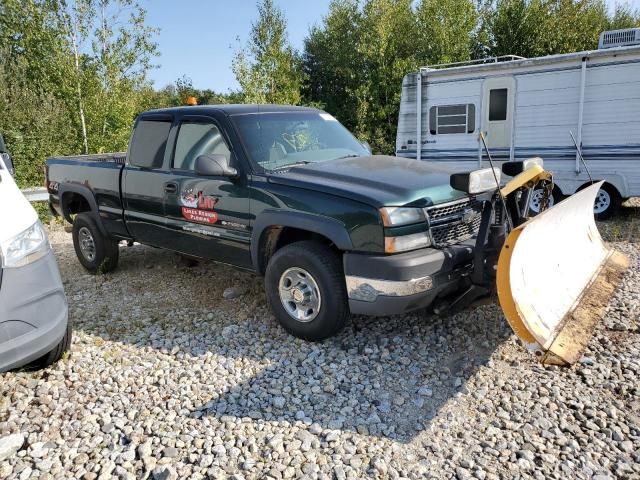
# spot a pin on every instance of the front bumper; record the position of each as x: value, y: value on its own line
x: 393, y: 284
x: 33, y: 312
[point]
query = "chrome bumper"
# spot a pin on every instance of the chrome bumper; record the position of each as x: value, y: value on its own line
x: 369, y: 289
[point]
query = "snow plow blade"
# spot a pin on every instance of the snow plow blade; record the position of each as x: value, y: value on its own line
x: 555, y: 277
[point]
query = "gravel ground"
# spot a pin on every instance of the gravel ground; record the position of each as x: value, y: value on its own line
x: 167, y: 378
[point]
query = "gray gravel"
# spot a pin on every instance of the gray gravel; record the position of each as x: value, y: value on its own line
x: 180, y: 372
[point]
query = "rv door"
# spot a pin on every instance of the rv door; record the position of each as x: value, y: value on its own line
x: 497, y: 116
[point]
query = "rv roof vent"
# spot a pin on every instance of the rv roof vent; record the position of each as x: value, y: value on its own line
x: 619, y: 38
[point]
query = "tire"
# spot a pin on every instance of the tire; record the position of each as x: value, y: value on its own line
x: 56, y: 354
x: 607, y: 203
x: 105, y: 251
x: 309, y: 263
x: 556, y: 196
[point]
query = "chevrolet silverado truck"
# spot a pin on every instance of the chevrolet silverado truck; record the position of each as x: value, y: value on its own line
x: 290, y: 194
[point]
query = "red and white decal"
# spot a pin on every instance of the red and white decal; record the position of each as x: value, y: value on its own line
x: 199, y: 216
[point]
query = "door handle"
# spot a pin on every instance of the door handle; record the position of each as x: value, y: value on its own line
x: 171, y: 187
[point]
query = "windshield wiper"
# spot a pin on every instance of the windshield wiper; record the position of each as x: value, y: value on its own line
x: 351, y: 155
x: 295, y: 164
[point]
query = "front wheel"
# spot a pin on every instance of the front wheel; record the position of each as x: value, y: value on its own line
x: 56, y: 354
x: 305, y: 286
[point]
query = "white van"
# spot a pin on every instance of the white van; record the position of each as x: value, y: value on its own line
x: 34, y: 325
x: 530, y: 107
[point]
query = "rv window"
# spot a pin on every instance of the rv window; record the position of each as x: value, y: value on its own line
x: 498, y: 104
x: 445, y: 119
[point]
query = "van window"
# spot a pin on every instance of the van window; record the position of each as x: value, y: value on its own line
x: 498, y: 104
x: 148, y: 143
x: 445, y: 119
x: 195, y: 139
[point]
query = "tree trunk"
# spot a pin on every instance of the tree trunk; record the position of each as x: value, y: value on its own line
x: 83, y: 123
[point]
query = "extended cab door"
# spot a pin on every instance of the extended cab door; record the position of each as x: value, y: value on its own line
x: 144, y: 179
x: 208, y: 216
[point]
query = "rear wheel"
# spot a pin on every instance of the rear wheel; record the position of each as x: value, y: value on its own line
x: 535, y: 205
x: 305, y: 285
x: 607, y: 202
x: 96, y: 252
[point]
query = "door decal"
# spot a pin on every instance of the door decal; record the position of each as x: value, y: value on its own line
x: 198, y: 207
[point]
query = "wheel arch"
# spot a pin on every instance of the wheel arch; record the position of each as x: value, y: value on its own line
x: 79, y: 199
x: 275, y: 229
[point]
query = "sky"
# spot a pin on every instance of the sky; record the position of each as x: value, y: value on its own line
x: 198, y: 38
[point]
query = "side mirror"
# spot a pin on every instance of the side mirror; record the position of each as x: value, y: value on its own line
x: 214, y: 165
x: 367, y: 147
x: 3, y: 148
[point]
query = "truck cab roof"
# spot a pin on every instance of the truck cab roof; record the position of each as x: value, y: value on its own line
x: 231, y: 109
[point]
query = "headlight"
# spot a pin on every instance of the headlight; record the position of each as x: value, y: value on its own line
x: 515, y: 168
x: 24, y: 248
x: 404, y: 243
x: 396, y: 216
x: 477, y: 181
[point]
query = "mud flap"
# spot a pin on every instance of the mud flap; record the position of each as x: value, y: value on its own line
x: 555, y: 277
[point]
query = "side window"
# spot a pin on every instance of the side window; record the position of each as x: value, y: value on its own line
x: 445, y: 119
x: 195, y: 139
x: 148, y: 143
x: 498, y: 104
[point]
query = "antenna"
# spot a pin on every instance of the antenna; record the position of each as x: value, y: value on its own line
x: 504, y: 203
x: 581, y: 157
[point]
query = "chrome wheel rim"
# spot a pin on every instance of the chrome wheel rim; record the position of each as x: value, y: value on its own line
x: 87, y: 245
x: 603, y: 201
x: 536, y: 200
x: 299, y: 294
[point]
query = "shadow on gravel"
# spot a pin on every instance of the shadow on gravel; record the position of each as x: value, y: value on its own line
x: 386, y: 377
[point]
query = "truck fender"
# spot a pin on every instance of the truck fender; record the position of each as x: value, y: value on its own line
x: 88, y: 195
x: 330, y: 228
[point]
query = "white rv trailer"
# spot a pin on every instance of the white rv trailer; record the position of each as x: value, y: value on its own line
x: 527, y: 108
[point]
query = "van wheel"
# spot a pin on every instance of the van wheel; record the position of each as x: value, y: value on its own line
x: 97, y: 253
x: 306, y: 289
x: 56, y: 354
x: 607, y: 202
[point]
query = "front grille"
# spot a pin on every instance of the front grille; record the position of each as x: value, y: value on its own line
x: 454, y: 222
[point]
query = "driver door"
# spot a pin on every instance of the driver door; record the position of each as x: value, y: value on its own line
x: 208, y: 215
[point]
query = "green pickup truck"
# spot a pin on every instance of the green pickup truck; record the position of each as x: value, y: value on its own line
x: 288, y: 193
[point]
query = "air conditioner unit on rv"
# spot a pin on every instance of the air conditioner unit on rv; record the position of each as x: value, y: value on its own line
x: 619, y: 38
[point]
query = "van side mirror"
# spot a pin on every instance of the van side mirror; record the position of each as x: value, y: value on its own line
x: 215, y: 165
x: 3, y: 147
x: 366, y: 146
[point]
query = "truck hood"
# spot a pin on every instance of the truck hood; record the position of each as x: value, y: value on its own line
x: 378, y: 180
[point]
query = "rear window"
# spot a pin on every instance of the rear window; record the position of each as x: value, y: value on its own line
x: 149, y: 143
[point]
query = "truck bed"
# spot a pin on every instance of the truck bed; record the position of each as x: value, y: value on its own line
x: 95, y: 177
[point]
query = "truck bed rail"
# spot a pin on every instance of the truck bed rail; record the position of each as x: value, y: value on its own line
x: 117, y: 157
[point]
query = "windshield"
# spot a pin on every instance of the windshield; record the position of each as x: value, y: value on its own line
x: 279, y: 140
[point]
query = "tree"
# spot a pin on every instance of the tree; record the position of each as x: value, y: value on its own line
x: 109, y: 66
x: 332, y: 64
x: 268, y: 69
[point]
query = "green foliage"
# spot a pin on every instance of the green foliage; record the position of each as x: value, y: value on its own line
x: 268, y: 69
x: 355, y: 59
x: 73, y: 73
